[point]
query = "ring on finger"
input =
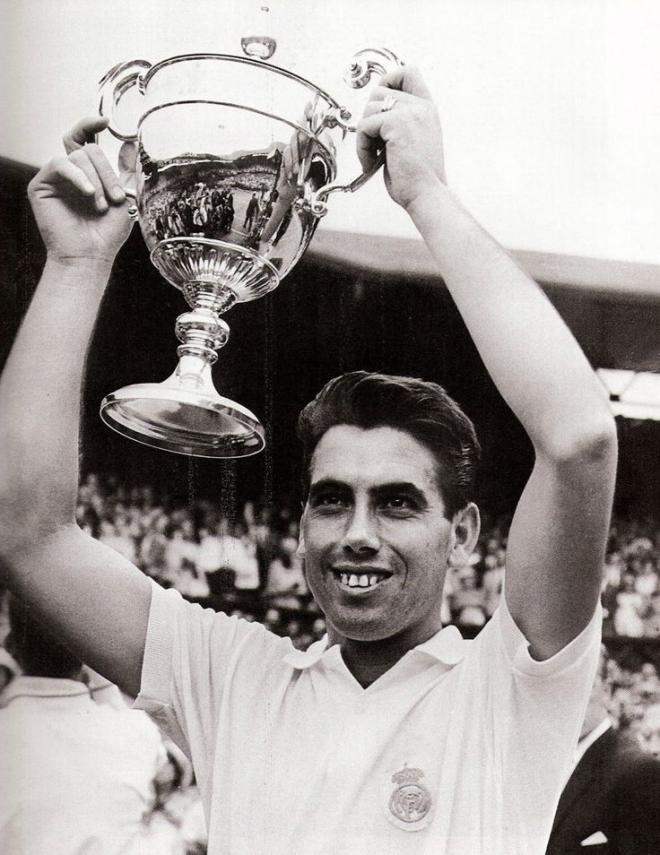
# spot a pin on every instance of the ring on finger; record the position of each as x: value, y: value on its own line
x: 388, y: 102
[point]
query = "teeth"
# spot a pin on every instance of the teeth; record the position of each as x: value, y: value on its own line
x: 362, y: 580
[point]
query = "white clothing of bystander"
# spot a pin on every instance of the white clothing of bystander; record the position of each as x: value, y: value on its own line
x: 75, y: 775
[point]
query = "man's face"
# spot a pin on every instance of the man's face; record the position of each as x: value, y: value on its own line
x: 376, y: 538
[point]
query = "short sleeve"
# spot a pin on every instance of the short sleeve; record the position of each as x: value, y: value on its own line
x: 517, y: 646
x: 195, y: 658
x: 534, y: 713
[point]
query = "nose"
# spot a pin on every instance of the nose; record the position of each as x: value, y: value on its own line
x: 361, y: 533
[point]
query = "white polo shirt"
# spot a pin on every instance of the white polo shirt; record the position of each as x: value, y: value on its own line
x: 461, y: 748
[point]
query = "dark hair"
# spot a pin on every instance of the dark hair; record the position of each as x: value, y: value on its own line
x: 419, y: 407
x: 39, y: 653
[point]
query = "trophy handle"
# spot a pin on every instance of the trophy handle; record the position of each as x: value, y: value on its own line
x: 367, y: 62
x: 363, y: 66
x: 113, y: 86
x: 120, y: 96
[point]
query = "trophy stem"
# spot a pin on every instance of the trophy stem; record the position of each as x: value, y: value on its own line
x: 185, y: 413
x: 202, y: 332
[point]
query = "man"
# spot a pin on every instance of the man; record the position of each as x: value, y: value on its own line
x: 390, y: 735
x: 649, y: 730
x: 251, y: 212
x: 611, y: 803
x: 75, y: 775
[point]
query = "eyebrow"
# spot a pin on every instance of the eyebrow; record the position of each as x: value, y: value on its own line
x: 327, y: 484
x: 380, y: 491
x: 405, y: 488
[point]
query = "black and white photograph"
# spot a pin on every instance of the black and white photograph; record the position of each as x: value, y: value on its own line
x: 330, y: 427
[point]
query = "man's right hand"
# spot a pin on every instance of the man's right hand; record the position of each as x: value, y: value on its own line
x: 78, y: 201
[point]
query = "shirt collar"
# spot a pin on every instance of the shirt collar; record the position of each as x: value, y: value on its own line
x: 302, y: 659
x: 42, y: 687
x: 587, y: 741
x: 446, y: 646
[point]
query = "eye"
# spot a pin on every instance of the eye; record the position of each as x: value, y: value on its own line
x: 329, y: 501
x: 398, y: 504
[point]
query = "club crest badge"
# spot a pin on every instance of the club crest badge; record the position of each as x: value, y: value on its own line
x: 409, y: 804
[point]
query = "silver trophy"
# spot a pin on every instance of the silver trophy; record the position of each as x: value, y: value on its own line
x: 235, y: 162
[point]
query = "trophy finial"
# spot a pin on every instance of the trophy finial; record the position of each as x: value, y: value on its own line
x: 260, y: 47
x: 365, y: 63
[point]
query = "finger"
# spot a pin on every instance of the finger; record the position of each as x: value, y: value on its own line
x: 407, y: 78
x: 109, y: 181
x: 83, y: 132
x: 371, y: 127
x: 369, y: 134
x: 81, y: 159
x: 375, y: 103
x: 380, y: 93
x: 61, y: 170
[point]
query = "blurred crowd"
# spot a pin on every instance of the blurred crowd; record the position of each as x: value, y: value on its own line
x: 248, y: 565
x: 631, y: 593
x: 633, y: 701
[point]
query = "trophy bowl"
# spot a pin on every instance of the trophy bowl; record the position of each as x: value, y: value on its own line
x: 234, y: 160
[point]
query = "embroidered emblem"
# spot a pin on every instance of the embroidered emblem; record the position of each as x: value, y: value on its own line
x: 410, y: 803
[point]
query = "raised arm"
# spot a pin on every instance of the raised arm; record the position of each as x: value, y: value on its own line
x: 91, y: 596
x: 557, y: 539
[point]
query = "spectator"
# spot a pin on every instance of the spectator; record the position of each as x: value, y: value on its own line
x: 272, y: 620
x: 247, y: 565
x: 630, y: 604
x: 468, y: 602
x: 286, y: 582
x: 153, y: 548
x: 652, y: 619
x: 182, y: 551
x: 613, y: 794
x: 646, y: 582
x: 649, y: 733
x: 79, y: 775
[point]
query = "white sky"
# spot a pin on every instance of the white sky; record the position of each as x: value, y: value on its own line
x: 550, y: 108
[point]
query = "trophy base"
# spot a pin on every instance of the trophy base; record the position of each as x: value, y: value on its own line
x: 200, y: 423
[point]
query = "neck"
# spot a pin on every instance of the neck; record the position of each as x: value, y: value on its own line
x: 369, y: 660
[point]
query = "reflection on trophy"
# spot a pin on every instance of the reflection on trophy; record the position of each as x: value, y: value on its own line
x: 235, y: 161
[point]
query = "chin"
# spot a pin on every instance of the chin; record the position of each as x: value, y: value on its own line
x: 363, y: 630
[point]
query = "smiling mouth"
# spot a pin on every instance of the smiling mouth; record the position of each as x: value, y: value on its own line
x: 364, y: 581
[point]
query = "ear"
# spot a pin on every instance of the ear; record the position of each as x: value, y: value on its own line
x: 465, y: 528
